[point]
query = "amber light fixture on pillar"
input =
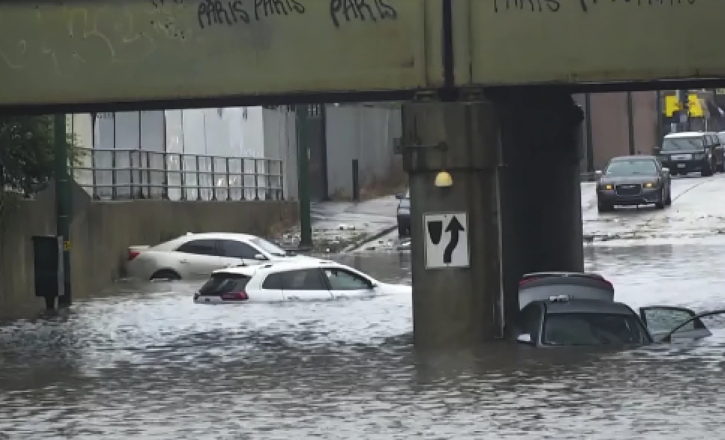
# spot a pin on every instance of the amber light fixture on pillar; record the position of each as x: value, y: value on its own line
x: 443, y: 179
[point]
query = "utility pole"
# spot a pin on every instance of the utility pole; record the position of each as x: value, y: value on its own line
x: 684, y: 99
x: 658, y: 106
x: 590, y: 136
x: 630, y: 119
x: 63, y: 202
x: 303, y: 174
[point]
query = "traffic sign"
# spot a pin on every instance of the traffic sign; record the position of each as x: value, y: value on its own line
x: 446, y: 240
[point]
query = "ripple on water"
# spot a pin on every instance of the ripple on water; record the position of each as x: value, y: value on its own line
x: 146, y: 362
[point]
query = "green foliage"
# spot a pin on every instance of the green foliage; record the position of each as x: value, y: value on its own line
x: 27, y: 153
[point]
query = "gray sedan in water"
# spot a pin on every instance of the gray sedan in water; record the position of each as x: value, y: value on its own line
x: 633, y: 181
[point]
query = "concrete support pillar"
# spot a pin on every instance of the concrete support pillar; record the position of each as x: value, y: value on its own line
x: 454, y: 306
x: 539, y: 186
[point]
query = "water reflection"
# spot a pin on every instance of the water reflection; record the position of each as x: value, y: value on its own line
x: 146, y: 362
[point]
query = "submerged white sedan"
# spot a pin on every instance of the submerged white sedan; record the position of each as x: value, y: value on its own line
x: 302, y: 280
x: 198, y: 255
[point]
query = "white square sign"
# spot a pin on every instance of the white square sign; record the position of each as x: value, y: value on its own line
x: 446, y: 240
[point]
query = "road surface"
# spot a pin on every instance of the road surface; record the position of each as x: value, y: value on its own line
x: 144, y: 362
x: 697, y: 213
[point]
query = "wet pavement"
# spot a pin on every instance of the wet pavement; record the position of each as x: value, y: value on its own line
x: 144, y: 362
x: 343, y: 226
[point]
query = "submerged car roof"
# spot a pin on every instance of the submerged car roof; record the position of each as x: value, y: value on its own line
x: 586, y: 306
x: 276, y: 266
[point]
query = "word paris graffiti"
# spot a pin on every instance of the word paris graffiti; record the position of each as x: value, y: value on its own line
x: 239, y: 12
x: 583, y: 5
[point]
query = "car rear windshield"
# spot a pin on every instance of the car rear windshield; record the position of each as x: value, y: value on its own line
x: 586, y: 329
x: 224, y: 283
x: 683, y: 144
x: 631, y: 168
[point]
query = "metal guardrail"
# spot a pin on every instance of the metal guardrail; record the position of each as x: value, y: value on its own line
x: 125, y: 174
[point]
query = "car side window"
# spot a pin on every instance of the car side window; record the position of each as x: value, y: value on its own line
x: 238, y: 249
x: 274, y: 281
x: 306, y: 279
x: 198, y: 247
x: 530, y: 321
x: 341, y: 279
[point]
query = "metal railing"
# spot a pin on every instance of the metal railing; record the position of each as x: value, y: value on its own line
x: 124, y: 174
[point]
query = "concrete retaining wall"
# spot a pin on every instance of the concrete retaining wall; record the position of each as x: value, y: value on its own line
x: 102, y: 232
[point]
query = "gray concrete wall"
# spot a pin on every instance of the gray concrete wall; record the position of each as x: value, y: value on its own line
x: 102, y: 232
x: 364, y: 133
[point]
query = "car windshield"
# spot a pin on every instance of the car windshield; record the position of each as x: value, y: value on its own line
x: 586, y: 329
x: 631, y: 168
x: 268, y: 247
x: 224, y: 283
x: 683, y: 144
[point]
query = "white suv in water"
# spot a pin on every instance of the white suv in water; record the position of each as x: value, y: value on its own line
x: 309, y: 280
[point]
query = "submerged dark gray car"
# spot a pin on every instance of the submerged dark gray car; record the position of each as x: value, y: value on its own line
x: 632, y: 181
x: 566, y: 309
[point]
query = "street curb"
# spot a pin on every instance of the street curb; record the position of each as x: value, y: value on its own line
x: 362, y: 242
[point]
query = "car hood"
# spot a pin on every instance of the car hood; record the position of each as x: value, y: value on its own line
x: 627, y: 179
x: 394, y: 289
x: 670, y: 153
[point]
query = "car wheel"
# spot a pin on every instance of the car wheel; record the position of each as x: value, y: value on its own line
x: 721, y: 167
x: 668, y: 200
x: 660, y: 204
x: 166, y: 274
x: 402, y: 231
x: 604, y: 207
x: 707, y: 172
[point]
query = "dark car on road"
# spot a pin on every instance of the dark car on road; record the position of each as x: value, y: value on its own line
x: 691, y: 152
x: 633, y: 181
x: 403, y: 214
x: 567, y: 309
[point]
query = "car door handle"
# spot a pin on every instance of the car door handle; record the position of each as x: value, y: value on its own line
x: 183, y: 261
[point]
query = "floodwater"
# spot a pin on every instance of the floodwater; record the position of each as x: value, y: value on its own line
x: 146, y: 363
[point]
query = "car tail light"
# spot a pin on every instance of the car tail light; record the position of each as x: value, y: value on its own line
x: 235, y: 296
x: 133, y: 254
x: 527, y: 280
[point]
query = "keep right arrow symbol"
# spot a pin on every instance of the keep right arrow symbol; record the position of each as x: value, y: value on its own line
x: 455, y: 228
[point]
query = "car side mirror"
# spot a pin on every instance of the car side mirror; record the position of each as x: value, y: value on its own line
x: 524, y: 339
x: 598, y: 173
x: 665, y: 170
x: 260, y: 257
x: 400, y: 196
x: 656, y: 150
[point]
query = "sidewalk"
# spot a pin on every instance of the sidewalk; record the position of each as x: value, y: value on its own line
x: 343, y: 226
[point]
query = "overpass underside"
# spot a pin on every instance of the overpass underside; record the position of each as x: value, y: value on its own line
x: 466, y: 66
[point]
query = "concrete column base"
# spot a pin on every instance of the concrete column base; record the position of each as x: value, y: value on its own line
x: 454, y: 306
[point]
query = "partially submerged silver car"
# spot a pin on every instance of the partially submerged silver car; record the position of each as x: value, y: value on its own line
x: 578, y: 309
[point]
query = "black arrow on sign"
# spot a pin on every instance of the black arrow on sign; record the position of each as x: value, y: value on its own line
x: 455, y: 228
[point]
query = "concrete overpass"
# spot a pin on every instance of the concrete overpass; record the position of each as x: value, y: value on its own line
x: 489, y: 80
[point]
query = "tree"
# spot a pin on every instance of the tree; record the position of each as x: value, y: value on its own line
x: 27, y: 152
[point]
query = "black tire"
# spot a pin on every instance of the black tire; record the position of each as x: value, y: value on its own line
x: 721, y: 168
x: 165, y: 274
x: 668, y: 200
x: 402, y: 231
x: 604, y: 207
x: 707, y: 172
x: 660, y: 204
